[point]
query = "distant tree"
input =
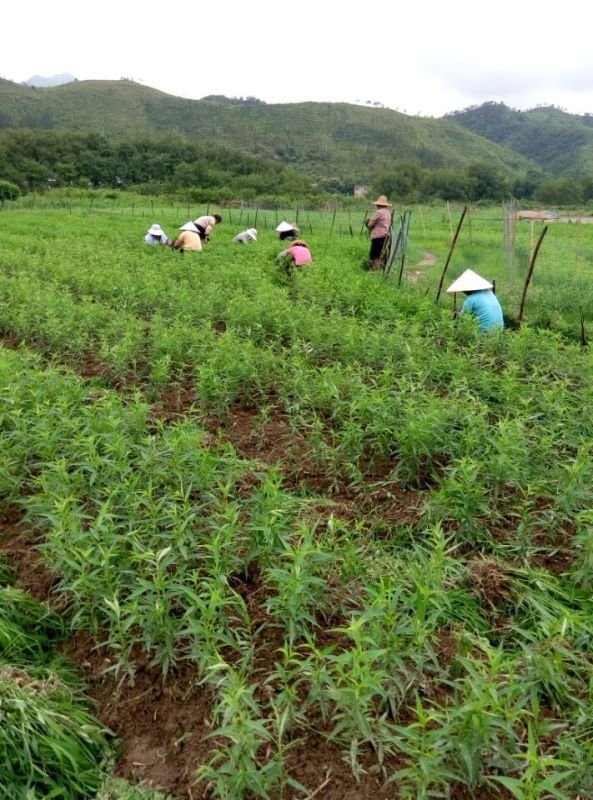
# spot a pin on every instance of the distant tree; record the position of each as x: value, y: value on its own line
x: 403, y: 181
x: 486, y: 182
x: 524, y: 186
x: 9, y: 191
x: 560, y: 192
x: 587, y: 188
x: 447, y: 184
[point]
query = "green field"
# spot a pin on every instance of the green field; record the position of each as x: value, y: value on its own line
x: 302, y: 535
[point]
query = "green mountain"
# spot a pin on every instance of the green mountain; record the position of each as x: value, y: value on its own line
x: 331, y: 142
x: 561, y: 143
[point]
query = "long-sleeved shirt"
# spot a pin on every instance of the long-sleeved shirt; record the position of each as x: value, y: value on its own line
x: 207, y: 223
x: 188, y: 240
x: 300, y: 255
x: 151, y: 239
x: 485, y: 307
x: 380, y: 223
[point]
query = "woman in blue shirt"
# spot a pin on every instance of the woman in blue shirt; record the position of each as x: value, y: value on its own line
x: 481, y: 301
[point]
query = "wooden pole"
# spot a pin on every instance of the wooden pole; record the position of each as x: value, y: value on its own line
x: 401, y: 270
x: 583, y: 337
x: 392, y: 256
x: 530, y: 273
x: 451, y: 248
x: 333, y: 220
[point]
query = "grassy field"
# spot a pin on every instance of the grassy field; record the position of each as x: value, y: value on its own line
x: 303, y: 535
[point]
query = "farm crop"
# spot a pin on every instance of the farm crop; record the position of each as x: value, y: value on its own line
x: 393, y: 559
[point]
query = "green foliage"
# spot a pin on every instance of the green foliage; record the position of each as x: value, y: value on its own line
x: 405, y: 572
x: 9, y: 191
x: 335, y: 144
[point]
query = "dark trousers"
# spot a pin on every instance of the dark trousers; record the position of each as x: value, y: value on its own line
x: 377, y: 247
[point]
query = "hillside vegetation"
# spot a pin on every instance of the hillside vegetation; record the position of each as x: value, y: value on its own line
x: 328, y: 141
x: 561, y: 143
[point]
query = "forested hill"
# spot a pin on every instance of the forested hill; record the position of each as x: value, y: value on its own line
x: 332, y: 142
x: 561, y: 143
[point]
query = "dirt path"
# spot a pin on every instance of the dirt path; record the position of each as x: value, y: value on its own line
x: 428, y: 259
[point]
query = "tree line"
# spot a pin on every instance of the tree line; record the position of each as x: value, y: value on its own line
x: 38, y: 160
x: 411, y: 183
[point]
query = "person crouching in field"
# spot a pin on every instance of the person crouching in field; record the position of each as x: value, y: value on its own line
x: 205, y: 224
x: 189, y: 238
x: 380, y: 227
x: 286, y: 231
x: 156, y: 235
x: 481, y: 301
x: 295, y: 256
x: 250, y: 235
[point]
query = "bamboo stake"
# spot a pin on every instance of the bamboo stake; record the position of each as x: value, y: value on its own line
x: 389, y: 264
x: 364, y: 219
x: 401, y: 270
x: 530, y: 273
x: 333, y: 220
x: 583, y: 337
x: 451, y: 248
x: 449, y: 214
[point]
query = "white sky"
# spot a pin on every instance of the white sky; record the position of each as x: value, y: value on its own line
x: 421, y: 56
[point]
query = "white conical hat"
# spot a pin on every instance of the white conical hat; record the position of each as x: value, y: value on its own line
x: 469, y: 281
x: 189, y: 226
x: 286, y: 226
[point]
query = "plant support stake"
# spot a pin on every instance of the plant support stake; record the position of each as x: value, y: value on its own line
x: 451, y: 248
x: 530, y: 273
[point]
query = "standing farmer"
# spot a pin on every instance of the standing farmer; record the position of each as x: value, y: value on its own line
x: 380, y: 227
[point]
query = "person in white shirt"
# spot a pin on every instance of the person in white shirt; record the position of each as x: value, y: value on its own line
x: 250, y: 235
x: 156, y: 235
x: 205, y: 224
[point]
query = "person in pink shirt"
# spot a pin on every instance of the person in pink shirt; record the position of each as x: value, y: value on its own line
x: 296, y: 255
x: 380, y: 227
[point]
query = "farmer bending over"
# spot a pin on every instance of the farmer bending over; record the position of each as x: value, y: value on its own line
x: 189, y: 238
x: 481, y: 301
x: 250, y: 235
x: 156, y: 235
x: 286, y: 230
x: 295, y: 256
x: 205, y: 225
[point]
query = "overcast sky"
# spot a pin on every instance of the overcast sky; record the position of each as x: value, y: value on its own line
x: 419, y: 57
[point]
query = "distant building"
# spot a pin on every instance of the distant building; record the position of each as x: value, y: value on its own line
x: 361, y: 190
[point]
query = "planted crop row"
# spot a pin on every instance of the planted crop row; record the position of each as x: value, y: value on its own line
x: 155, y: 536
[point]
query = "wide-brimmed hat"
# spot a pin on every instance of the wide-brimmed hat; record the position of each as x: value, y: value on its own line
x: 381, y: 201
x: 252, y: 232
x: 299, y: 243
x: 469, y: 281
x: 285, y: 226
x: 189, y: 226
x: 156, y: 230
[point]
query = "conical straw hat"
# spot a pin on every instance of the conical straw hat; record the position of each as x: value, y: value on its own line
x: 189, y: 226
x: 469, y: 281
x: 283, y: 227
x: 381, y: 201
